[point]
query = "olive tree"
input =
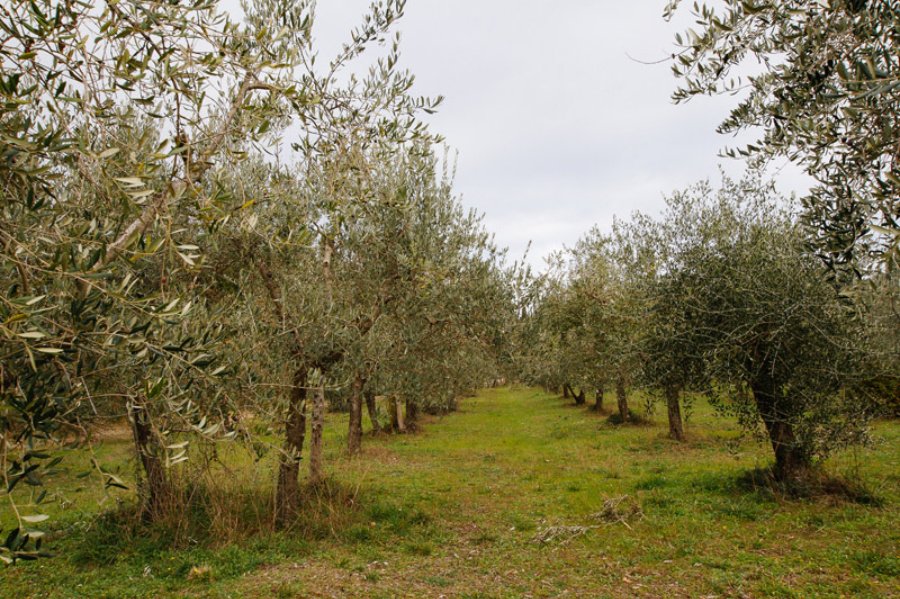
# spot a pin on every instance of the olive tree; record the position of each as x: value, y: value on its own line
x: 551, y: 351
x: 755, y: 319
x: 361, y: 274
x: 585, y: 321
x: 104, y: 200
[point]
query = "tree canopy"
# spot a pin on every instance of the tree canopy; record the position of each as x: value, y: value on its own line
x: 821, y: 82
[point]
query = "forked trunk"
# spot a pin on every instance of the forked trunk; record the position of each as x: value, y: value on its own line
x: 622, y: 399
x: 598, y: 400
x: 676, y: 425
x: 580, y: 398
x: 316, y: 459
x: 373, y: 412
x: 354, y: 434
x: 155, y: 488
x: 791, y: 462
x: 287, y: 491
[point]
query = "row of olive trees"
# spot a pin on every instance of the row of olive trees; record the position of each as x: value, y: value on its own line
x: 385, y: 288
x: 158, y: 264
x: 723, y: 294
x: 720, y: 296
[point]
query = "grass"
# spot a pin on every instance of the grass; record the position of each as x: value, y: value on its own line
x: 455, y: 510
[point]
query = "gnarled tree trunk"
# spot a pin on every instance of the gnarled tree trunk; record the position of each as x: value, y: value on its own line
x: 373, y: 411
x: 412, y: 415
x: 598, y: 400
x: 565, y: 390
x: 673, y: 406
x: 397, y: 424
x: 287, y: 489
x: 155, y: 488
x: 791, y: 462
x: 580, y: 397
x: 316, y: 458
x: 622, y: 398
x: 287, y: 492
x: 354, y: 434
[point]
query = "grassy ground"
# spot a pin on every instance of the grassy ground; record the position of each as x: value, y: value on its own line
x: 457, y: 511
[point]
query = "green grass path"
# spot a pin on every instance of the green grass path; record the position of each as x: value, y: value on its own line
x: 457, y: 511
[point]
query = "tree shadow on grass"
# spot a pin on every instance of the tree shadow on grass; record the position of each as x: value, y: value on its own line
x: 762, y: 485
x: 813, y: 485
x: 633, y: 419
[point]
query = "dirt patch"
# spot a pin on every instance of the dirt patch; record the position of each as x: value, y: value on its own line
x: 118, y: 430
x: 446, y: 576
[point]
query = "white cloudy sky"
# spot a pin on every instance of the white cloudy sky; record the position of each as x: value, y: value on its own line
x: 557, y: 126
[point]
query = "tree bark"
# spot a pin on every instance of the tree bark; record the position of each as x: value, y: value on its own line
x: 373, y: 411
x: 395, y: 416
x: 412, y: 415
x: 565, y: 390
x: 791, y: 462
x: 397, y: 424
x: 598, y: 404
x: 155, y: 487
x: 287, y: 491
x: 580, y: 398
x: 354, y: 434
x: 622, y: 398
x: 316, y: 458
x: 673, y: 405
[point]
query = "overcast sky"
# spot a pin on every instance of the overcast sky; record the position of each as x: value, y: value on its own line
x: 557, y: 125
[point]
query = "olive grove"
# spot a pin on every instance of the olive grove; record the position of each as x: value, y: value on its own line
x: 215, y: 239
x: 200, y: 219
x: 721, y: 298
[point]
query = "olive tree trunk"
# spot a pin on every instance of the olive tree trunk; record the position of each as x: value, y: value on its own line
x: 565, y: 390
x: 373, y: 411
x: 598, y: 400
x: 354, y: 434
x: 580, y: 398
x: 397, y: 423
x: 791, y: 462
x: 287, y: 491
x: 155, y: 487
x: 316, y: 459
x: 622, y: 398
x: 412, y: 415
x: 673, y: 405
